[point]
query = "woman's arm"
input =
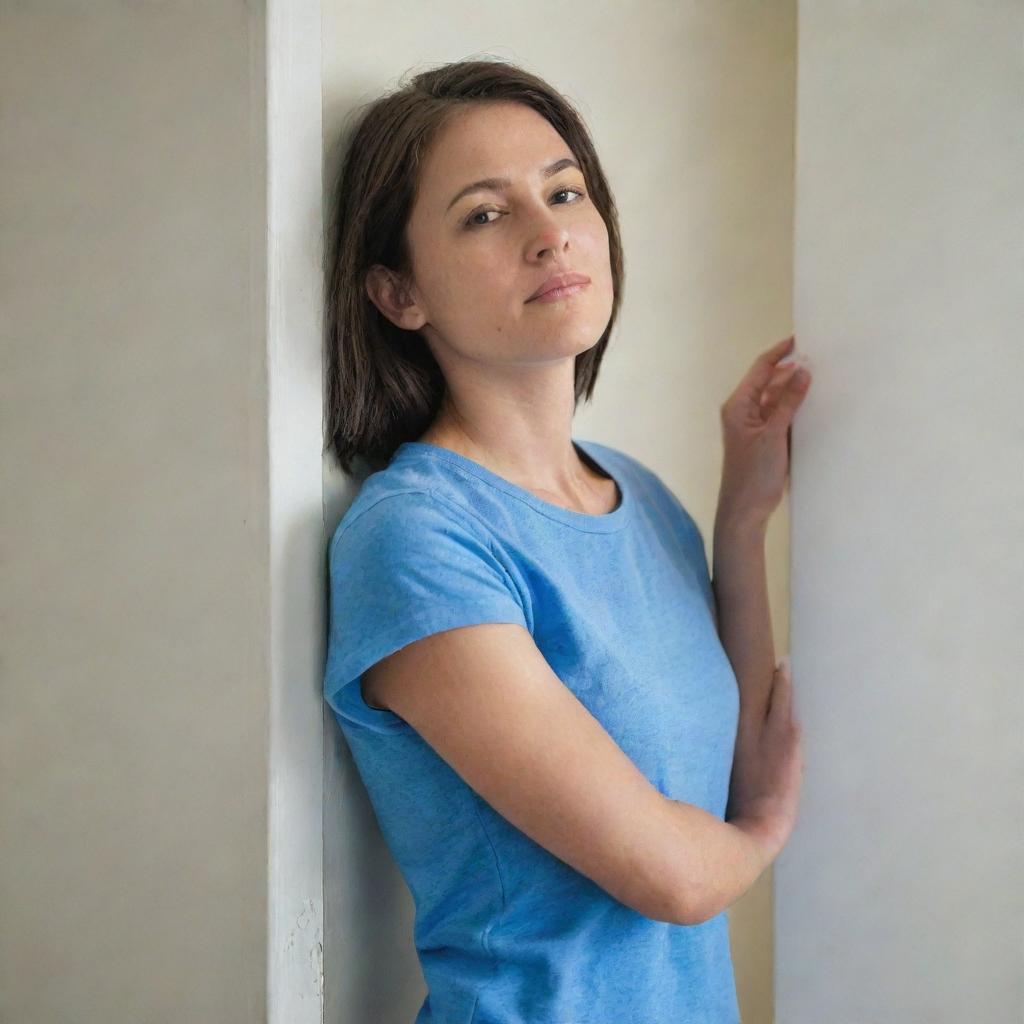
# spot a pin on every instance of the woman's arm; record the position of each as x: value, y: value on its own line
x: 744, y: 618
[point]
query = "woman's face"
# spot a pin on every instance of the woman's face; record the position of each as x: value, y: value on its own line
x: 478, y: 257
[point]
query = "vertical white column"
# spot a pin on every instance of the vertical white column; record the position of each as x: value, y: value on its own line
x: 297, y: 626
x: 900, y: 896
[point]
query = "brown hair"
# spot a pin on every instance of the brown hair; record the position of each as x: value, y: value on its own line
x: 383, y: 385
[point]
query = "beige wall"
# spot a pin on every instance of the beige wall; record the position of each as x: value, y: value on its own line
x: 133, y: 794
x: 162, y: 590
x: 692, y: 110
x: 162, y: 510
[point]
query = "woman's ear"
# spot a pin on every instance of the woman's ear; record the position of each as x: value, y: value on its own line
x: 391, y: 296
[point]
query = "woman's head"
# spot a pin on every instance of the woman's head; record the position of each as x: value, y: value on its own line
x: 418, y: 282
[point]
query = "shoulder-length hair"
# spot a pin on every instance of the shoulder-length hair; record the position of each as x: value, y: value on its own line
x: 383, y: 385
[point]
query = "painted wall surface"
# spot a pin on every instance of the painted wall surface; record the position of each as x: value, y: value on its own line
x: 899, y: 897
x: 691, y: 106
x: 133, y: 793
x: 161, y: 522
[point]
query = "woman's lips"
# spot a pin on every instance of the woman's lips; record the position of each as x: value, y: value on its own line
x: 561, y: 293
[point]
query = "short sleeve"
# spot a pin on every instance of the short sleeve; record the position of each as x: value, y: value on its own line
x: 407, y: 566
x: 692, y: 540
x: 695, y: 541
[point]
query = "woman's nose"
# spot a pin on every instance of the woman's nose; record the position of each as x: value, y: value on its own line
x: 550, y: 235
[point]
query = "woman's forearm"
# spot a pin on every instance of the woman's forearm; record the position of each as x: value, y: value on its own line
x: 740, y: 584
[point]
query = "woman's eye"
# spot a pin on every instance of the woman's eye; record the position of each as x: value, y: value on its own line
x: 471, y: 221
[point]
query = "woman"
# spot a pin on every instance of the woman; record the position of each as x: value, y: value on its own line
x: 523, y: 651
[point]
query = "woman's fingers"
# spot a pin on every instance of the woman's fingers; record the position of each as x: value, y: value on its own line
x: 761, y: 369
x: 770, y: 355
x: 781, y: 377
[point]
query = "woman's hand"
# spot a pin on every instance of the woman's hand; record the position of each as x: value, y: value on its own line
x: 767, y: 770
x: 756, y: 422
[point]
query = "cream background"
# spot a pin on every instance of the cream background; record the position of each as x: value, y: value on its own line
x: 691, y: 107
x: 164, y: 505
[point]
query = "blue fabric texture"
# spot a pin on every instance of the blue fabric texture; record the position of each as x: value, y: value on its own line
x: 621, y: 607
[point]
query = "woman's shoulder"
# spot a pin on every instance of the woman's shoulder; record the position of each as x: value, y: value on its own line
x: 649, y: 483
x: 399, y: 510
x: 392, y: 513
x: 617, y: 457
x: 637, y: 472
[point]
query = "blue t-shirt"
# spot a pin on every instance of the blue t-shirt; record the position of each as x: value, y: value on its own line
x: 620, y: 605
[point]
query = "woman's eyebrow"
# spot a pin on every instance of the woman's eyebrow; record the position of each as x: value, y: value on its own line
x: 497, y: 184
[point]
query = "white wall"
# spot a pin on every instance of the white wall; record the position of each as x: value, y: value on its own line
x: 900, y: 895
x: 163, y: 540
x: 691, y: 108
